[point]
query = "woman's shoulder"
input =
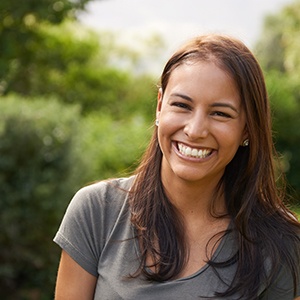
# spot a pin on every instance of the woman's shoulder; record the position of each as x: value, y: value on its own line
x: 110, y: 190
x: 104, y: 198
x: 90, y: 218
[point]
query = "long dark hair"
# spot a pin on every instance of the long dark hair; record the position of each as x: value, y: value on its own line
x: 263, y: 224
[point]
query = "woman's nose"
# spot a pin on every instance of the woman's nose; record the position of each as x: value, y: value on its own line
x: 196, y: 127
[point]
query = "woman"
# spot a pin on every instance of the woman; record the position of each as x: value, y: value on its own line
x: 202, y: 217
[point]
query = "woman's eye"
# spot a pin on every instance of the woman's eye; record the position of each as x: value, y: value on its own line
x: 181, y: 105
x: 221, y: 114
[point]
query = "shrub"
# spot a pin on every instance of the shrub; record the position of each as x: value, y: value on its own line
x: 38, y: 174
x: 48, y: 150
x: 112, y: 147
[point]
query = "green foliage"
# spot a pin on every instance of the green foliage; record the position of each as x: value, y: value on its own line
x: 75, y: 66
x: 19, y: 26
x: 71, y: 112
x: 279, y: 45
x: 70, y: 65
x: 48, y: 151
x: 54, y: 11
x: 278, y: 51
x: 111, y: 147
x: 297, y: 211
x: 38, y: 175
x: 40, y: 56
x: 286, y: 124
x: 49, y: 52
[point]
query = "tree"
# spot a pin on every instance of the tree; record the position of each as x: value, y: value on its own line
x: 77, y: 65
x: 278, y: 51
x: 19, y: 23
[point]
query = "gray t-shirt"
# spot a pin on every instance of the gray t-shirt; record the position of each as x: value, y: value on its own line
x: 97, y: 233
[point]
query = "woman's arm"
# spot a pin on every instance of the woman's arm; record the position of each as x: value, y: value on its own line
x: 73, y: 282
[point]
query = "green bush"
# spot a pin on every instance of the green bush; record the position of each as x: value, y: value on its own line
x: 38, y: 175
x: 286, y: 126
x: 48, y: 150
x: 278, y: 52
x: 111, y: 147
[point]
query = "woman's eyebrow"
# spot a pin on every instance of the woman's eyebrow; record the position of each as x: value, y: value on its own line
x: 181, y: 96
x: 225, y: 104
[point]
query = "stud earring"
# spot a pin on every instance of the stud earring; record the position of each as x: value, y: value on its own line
x: 156, y: 122
x: 245, y: 143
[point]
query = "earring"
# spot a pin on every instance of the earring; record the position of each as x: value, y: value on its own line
x: 156, y: 122
x: 245, y: 143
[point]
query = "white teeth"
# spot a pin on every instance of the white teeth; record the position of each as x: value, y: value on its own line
x: 188, y: 151
x: 194, y: 152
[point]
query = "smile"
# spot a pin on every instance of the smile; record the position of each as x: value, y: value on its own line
x: 193, y: 152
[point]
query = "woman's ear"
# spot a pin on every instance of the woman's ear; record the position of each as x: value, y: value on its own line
x: 159, y: 102
x: 245, y: 137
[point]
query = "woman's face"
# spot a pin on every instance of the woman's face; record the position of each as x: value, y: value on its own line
x: 201, y: 123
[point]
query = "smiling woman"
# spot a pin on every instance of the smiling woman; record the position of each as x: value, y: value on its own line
x: 201, y: 111
x: 201, y: 216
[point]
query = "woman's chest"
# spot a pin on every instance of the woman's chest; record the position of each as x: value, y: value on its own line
x: 120, y: 260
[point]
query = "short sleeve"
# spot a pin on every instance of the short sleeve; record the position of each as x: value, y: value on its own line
x: 88, y: 222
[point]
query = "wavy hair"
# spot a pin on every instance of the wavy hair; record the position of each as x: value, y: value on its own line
x: 263, y: 224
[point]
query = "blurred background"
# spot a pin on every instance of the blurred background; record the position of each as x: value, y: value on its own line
x: 78, y: 84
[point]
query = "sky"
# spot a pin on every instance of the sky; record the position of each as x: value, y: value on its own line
x: 178, y: 20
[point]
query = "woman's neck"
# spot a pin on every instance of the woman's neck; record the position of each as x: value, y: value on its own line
x: 196, y: 199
